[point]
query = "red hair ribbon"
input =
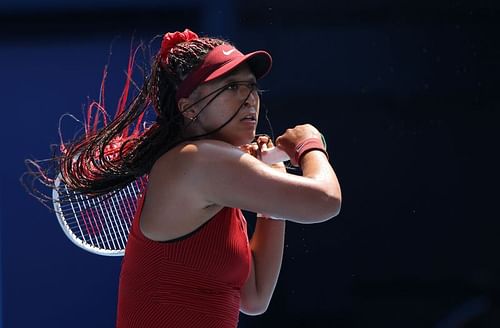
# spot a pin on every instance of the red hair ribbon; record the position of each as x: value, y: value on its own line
x: 170, y: 40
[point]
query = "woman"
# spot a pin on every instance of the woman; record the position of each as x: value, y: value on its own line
x: 188, y: 262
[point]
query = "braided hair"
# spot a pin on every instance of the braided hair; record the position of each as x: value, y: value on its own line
x: 109, y: 159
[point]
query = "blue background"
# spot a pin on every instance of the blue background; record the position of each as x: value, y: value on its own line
x: 407, y: 96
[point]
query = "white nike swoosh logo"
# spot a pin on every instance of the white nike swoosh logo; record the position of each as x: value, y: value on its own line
x: 227, y: 53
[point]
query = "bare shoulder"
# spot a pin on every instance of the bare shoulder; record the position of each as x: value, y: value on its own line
x: 211, y: 174
x: 192, y: 149
x: 191, y: 165
x: 190, y: 156
x: 204, y: 149
x: 176, y: 186
x: 205, y: 167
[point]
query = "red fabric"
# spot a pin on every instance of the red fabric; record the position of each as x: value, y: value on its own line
x: 221, y: 60
x: 192, y: 282
x: 170, y: 40
x: 305, y: 146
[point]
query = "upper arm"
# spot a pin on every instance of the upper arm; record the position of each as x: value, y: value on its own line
x: 229, y: 177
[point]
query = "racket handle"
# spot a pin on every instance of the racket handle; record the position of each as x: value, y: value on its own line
x: 274, y: 155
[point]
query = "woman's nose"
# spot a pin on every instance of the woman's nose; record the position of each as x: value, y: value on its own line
x: 253, y: 97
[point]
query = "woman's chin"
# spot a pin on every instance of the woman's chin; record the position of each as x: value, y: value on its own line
x: 248, y: 140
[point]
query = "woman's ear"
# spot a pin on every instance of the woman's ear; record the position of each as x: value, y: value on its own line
x: 186, y: 108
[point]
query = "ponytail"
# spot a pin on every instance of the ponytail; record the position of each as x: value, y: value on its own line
x: 125, y: 148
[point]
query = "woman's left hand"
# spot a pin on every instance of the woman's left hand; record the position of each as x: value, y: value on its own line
x: 262, y: 144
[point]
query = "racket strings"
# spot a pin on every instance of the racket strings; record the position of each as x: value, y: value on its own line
x: 92, y: 212
x: 107, y: 235
x: 102, y: 222
x: 84, y: 220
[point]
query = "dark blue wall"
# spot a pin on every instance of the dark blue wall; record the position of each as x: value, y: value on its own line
x: 406, y: 96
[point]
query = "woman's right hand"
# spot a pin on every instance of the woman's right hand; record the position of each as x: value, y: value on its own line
x: 289, y: 140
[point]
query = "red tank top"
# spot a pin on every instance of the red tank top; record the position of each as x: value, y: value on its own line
x: 190, y: 282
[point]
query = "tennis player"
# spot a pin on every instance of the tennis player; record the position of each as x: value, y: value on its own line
x: 188, y: 262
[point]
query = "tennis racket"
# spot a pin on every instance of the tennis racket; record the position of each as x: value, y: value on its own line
x: 101, y: 224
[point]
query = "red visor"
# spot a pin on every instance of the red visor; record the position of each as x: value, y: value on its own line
x: 221, y: 60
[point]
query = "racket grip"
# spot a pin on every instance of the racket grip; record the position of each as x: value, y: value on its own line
x: 274, y: 155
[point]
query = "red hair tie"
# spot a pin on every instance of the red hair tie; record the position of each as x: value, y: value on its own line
x: 170, y: 40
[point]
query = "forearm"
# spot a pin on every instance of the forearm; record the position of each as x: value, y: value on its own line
x: 267, y: 251
x: 315, y: 165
